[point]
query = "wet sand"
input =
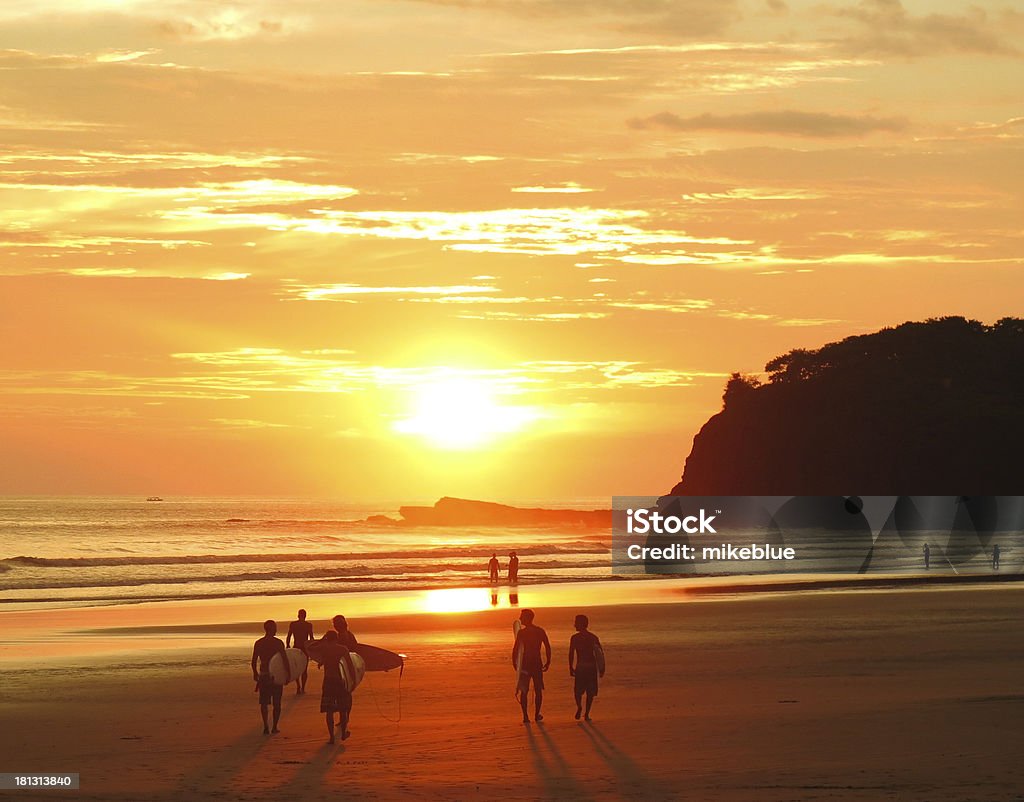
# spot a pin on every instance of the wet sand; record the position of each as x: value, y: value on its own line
x: 851, y: 695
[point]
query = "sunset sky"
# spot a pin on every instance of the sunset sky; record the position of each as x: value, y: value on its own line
x: 491, y: 248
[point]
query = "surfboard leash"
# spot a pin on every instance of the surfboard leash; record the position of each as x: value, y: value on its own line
x: 376, y: 703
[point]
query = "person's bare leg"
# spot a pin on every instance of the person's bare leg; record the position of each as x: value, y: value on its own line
x: 330, y: 727
x: 277, y: 714
x: 590, y: 701
x: 523, y: 694
x: 538, y: 698
x: 344, y: 726
x: 305, y: 676
x: 579, y: 704
x: 263, y: 712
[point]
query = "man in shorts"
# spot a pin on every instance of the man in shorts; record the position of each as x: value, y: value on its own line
x: 336, y: 696
x: 302, y: 633
x: 264, y: 649
x: 530, y: 639
x: 583, y: 664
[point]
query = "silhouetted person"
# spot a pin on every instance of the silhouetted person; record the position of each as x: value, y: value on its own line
x: 513, y: 568
x: 335, y: 696
x: 265, y: 648
x: 492, y: 568
x: 927, y: 556
x: 995, y: 556
x: 301, y: 631
x: 582, y: 647
x: 530, y: 638
x: 345, y: 635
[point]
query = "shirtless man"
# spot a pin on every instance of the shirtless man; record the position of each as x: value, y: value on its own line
x: 583, y: 664
x: 530, y: 638
x: 265, y: 648
x: 301, y: 631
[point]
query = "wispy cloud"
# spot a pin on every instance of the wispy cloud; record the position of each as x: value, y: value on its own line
x: 788, y: 123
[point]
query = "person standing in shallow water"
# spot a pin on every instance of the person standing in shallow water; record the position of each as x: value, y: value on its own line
x: 264, y: 649
x: 927, y: 556
x: 531, y: 638
x: 995, y: 556
x: 492, y: 568
x: 583, y: 647
x: 301, y: 631
x: 513, y: 568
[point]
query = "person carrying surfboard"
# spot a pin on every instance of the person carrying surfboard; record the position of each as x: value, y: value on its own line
x: 301, y: 631
x: 336, y: 696
x: 586, y: 663
x: 264, y: 649
x: 529, y: 639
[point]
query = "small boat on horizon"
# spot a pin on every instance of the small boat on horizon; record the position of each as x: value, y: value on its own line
x: 153, y: 498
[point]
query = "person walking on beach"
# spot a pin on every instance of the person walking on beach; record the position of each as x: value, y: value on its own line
x: 927, y: 556
x: 513, y: 568
x: 264, y: 649
x: 995, y: 556
x: 492, y: 567
x: 585, y: 664
x: 301, y: 631
x: 335, y: 697
x: 529, y: 639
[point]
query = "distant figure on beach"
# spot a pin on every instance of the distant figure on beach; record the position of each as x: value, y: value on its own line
x: 995, y: 556
x: 927, y: 556
x: 301, y: 631
x: 585, y: 647
x: 492, y: 567
x: 265, y: 648
x: 530, y: 638
x: 335, y: 696
x: 513, y: 568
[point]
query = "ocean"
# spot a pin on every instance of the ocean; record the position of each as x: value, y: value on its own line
x: 64, y: 551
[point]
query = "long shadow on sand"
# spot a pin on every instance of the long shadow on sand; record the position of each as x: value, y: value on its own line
x: 310, y: 777
x: 215, y: 775
x: 551, y: 767
x: 631, y: 779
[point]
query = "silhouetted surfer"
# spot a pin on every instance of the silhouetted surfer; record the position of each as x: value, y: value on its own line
x: 492, y: 568
x: 584, y: 646
x: 345, y: 635
x: 335, y: 696
x: 530, y: 638
x: 995, y: 556
x: 301, y: 631
x: 927, y: 556
x: 265, y: 648
x: 513, y: 568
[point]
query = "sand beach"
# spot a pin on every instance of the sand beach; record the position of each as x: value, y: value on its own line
x: 842, y: 695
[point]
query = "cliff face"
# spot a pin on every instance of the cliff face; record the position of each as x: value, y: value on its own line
x: 934, y: 408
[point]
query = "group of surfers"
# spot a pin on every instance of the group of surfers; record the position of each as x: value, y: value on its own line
x: 332, y: 651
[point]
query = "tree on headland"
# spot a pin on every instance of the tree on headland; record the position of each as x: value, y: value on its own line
x: 930, y: 407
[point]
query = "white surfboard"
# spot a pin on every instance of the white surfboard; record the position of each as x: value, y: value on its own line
x: 297, y: 661
x: 516, y: 626
x: 358, y: 663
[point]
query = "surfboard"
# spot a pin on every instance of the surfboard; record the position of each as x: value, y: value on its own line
x: 297, y: 660
x: 378, y: 659
x: 599, y: 659
x: 516, y: 626
x: 359, y: 665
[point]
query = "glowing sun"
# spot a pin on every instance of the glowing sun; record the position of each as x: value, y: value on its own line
x: 462, y: 414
